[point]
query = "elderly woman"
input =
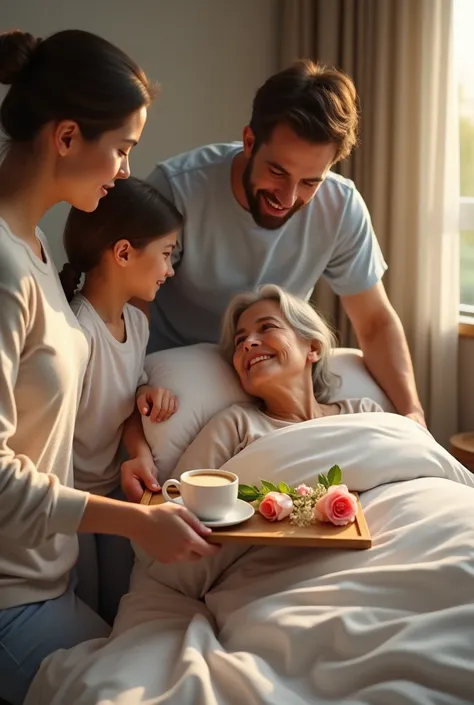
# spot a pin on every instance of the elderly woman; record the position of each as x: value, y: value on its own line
x: 279, y: 347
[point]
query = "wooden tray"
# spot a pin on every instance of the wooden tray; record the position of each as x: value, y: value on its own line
x: 260, y: 532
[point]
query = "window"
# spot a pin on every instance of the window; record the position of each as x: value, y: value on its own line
x: 464, y: 59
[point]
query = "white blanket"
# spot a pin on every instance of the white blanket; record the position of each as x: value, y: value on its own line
x: 393, y: 625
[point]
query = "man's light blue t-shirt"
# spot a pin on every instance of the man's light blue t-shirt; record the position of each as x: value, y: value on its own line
x: 222, y: 251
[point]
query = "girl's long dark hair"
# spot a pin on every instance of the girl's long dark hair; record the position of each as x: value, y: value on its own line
x: 133, y: 210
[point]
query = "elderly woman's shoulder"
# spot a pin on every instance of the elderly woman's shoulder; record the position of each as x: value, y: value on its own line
x: 237, y: 415
x: 359, y: 406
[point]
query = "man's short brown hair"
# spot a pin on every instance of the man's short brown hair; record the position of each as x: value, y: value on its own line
x: 319, y: 103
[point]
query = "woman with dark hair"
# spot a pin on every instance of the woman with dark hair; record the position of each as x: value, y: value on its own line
x: 75, y: 107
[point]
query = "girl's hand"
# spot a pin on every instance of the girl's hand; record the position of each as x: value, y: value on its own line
x: 170, y: 533
x: 138, y: 474
x: 157, y: 403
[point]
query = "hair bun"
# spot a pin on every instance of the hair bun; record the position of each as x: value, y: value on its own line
x: 16, y: 50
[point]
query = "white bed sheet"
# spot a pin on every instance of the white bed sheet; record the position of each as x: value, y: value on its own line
x: 393, y: 625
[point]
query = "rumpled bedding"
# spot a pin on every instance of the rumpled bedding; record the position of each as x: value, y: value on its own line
x: 392, y: 625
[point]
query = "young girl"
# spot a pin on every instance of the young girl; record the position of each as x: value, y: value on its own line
x: 70, y: 126
x: 124, y: 248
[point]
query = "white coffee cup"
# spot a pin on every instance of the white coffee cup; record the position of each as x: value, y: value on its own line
x: 209, y: 494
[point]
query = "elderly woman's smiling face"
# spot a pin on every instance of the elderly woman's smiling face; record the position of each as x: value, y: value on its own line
x: 268, y: 350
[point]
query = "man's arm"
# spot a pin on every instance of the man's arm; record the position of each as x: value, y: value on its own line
x: 384, y: 345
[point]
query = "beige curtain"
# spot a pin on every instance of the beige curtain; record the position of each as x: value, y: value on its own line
x: 399, y: 53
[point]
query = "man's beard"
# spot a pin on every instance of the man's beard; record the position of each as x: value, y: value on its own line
x: 269, y: 222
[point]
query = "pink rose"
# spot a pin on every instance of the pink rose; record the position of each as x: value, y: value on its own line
x: 303, y: 490
x: 275, y: 506
x: 338, y: 506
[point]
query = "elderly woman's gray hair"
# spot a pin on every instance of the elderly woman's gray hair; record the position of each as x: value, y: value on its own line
x: 304, y: 320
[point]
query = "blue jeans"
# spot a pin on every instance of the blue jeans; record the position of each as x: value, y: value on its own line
x: 29, y: 633
x: 103, y: 569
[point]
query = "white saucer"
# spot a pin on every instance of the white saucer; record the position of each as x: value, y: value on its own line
x: 241, y: 512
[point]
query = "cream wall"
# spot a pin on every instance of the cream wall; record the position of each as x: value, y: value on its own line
x: 208, y: 55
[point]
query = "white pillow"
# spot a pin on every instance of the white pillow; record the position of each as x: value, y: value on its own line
x: 205, y: 384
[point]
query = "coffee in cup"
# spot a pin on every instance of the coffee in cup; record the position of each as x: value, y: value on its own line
x: 209, y: 494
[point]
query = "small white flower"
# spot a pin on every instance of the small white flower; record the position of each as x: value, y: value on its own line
x: 303, y: 506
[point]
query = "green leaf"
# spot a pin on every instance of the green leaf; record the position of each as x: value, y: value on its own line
x: 268, y: 486
x: 248, y: 493
x: 323, y: 480
x: 284, y: 488
x: 335, y: 475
